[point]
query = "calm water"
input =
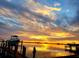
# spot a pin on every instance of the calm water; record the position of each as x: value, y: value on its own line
x: 47, y: 51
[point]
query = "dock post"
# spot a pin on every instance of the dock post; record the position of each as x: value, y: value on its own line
x: 34, y: 52
x: 24, y: 51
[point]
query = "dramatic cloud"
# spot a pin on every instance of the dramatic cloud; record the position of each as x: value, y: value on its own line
x: 35, y: 16
x: 68, y: 17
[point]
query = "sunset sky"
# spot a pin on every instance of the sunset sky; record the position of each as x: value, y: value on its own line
x: 39, y: 19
